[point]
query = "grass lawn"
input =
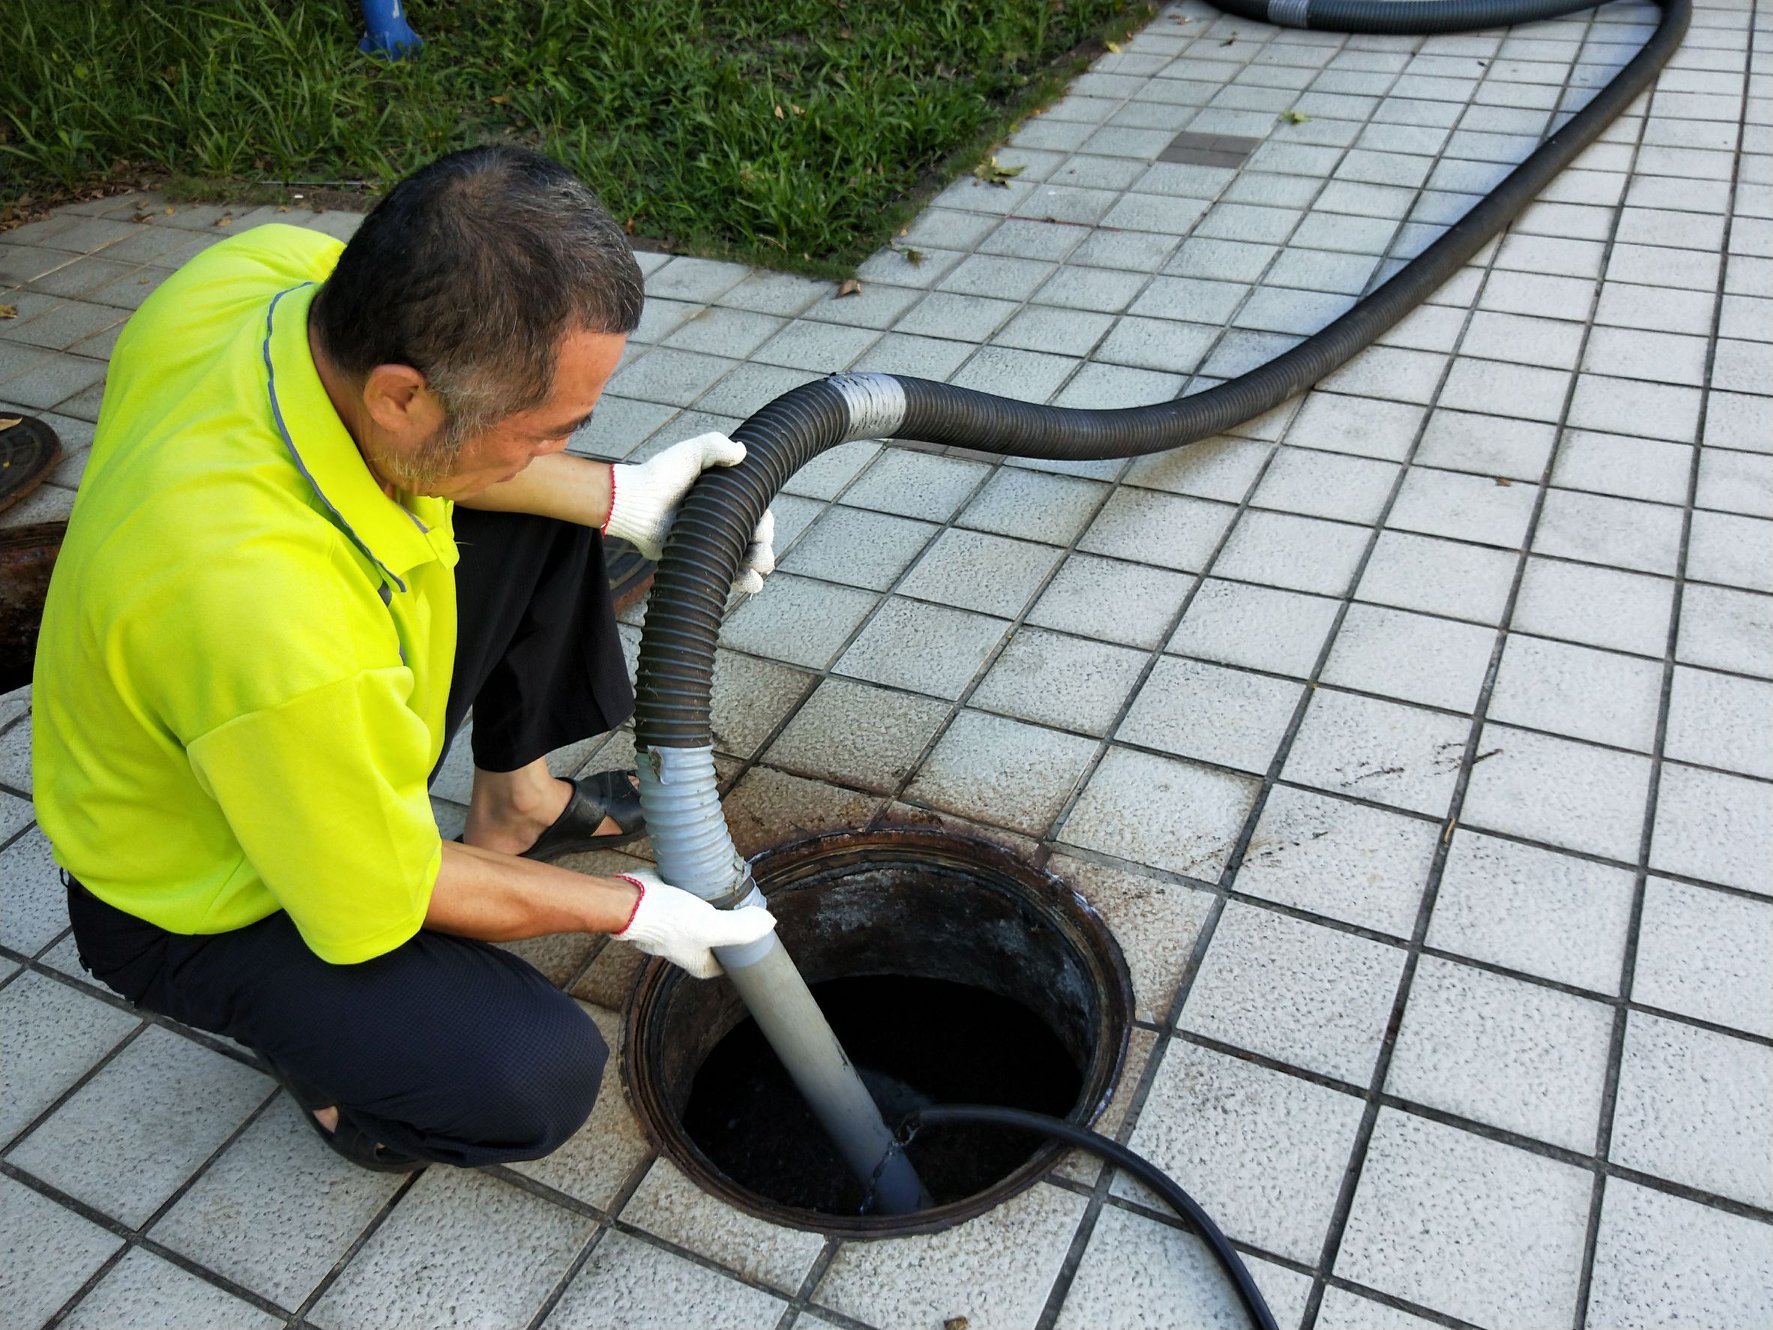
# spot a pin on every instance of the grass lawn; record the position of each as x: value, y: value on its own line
x: 795, y: 133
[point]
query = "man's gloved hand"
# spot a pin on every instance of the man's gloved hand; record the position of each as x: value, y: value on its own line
x: 644, y: 499
x: 672, y: 923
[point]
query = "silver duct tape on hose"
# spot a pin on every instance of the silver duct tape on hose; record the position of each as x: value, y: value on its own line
x: 876, y: 403
x: 1290, y: 13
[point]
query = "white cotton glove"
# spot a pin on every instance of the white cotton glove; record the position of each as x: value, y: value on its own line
x: 683, y: 928
x: 760, y: 556
x: 644, y: 499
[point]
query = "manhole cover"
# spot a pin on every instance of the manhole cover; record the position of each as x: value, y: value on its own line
x: 951, y: 973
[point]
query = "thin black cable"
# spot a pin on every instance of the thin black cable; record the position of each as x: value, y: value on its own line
x: 1122, y: 1158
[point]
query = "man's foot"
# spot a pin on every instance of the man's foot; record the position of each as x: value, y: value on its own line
x: 516, y: 823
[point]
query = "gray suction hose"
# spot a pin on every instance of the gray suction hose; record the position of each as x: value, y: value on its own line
x: 678, y: 786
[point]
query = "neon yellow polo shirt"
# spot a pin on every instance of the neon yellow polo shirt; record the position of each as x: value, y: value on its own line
x: 247, y: 647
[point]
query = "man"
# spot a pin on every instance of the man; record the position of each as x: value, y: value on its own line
x: 327, y: 511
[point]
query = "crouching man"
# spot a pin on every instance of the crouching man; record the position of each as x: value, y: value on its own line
x: 326, y: 513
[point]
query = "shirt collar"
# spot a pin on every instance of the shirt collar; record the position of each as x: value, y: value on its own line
x: 395, y: 539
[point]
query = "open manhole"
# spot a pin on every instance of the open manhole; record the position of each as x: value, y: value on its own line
x: 951, y: 973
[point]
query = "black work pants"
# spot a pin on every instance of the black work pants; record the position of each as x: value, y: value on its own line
x: 444, y: 1048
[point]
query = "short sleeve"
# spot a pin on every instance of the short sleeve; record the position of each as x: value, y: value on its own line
x: 326, y: 794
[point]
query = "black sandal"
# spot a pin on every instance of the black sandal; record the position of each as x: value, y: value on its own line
x: 608, y: 794
x: 345, y: 1140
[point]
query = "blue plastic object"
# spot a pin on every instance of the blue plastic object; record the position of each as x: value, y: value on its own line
x: 388, y: 34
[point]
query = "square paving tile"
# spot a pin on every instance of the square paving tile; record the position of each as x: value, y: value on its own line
x: 1664, y: 1260
x: 133, y: 1133
x: 148, y: 1293
x: 53, y: 1035
x: 1382, y: 751
x: 827, y: 474
x: 1002, y: 771
x: 1346, y: 861
x: 49, y: 1253
x: 1156, y: 923
x: 1056, y: 679
x: 1726, y: 630
x: 859, y: 548
x: 1706, y: 954
x: 1533, y: 910
x: 1221, y: 468
x: 461, y: 1248
x: 1618, y: 533
x: 855, y: 734
x: 926, y: 648
x: 1235, y: 623
x: 1297, y: 992
x: 36, y: 901
x: 1163, y: 813
x: 1229, y: 717
x: 1357, y: 424
x: 1502, y: 1051
x: 797, y: 620
x: 1485, y: 445
x: 1558, y: 792
x: 1577, y: 691
x: 1461, y: 507
x: 917, y: 485
x: 974, y: 570
x: 1714, y: 826
x: 629, y: 1284
x: 1112, y: 601
x: 1414, y: 657
x: 996, y: 1271
x: 750, y: 698
x: 1299, y: 553
x: 1032, y: 505
x: 277, y: 1210
x: 1692, y: 1108
x: 668, y: 1205
x: 1317, y: 484
x: 1718, y: 720
x: 1165, y: 530
x: 1467, y: 1226
x: 1600, y: 607
x: 1264, y: 1152
x: 768, y: 808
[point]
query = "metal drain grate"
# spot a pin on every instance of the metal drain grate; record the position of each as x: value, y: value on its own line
x: 1209, y: 150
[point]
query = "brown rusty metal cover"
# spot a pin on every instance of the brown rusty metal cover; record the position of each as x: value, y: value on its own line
x: 29, y: 451
x: 27, y: 555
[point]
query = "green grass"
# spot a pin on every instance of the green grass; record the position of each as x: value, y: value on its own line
x: 797, y: 133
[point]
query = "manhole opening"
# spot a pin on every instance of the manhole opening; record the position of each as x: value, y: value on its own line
x: 951, y: 972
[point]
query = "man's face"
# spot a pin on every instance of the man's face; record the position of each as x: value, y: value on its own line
x: 442, y: 466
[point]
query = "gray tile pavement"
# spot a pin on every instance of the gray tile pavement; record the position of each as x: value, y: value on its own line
x: 1412, y: 739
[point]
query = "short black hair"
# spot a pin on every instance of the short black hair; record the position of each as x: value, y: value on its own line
x: 470, y: 271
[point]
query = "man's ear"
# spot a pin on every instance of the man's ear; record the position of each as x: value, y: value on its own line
x: 400, y: 403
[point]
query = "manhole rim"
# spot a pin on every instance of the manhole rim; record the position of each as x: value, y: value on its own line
x: 785, y: 868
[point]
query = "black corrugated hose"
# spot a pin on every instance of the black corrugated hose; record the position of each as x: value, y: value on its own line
x: 1122, y: 1158
x: 714, y: 525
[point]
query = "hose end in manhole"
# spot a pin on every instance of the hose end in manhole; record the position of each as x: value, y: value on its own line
x: 951, y: 971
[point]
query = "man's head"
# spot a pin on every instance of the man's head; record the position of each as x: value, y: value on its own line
x: 475, y: 316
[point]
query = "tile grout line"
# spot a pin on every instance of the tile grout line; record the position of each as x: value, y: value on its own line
x: 1658, y: 754
x: 1382, y: 1064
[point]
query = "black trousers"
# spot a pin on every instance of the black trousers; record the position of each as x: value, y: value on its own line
x: 444, y: 1048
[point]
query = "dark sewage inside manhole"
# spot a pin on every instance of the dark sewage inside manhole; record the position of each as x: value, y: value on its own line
x: 916, y: 1042
x: 951, y: 972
